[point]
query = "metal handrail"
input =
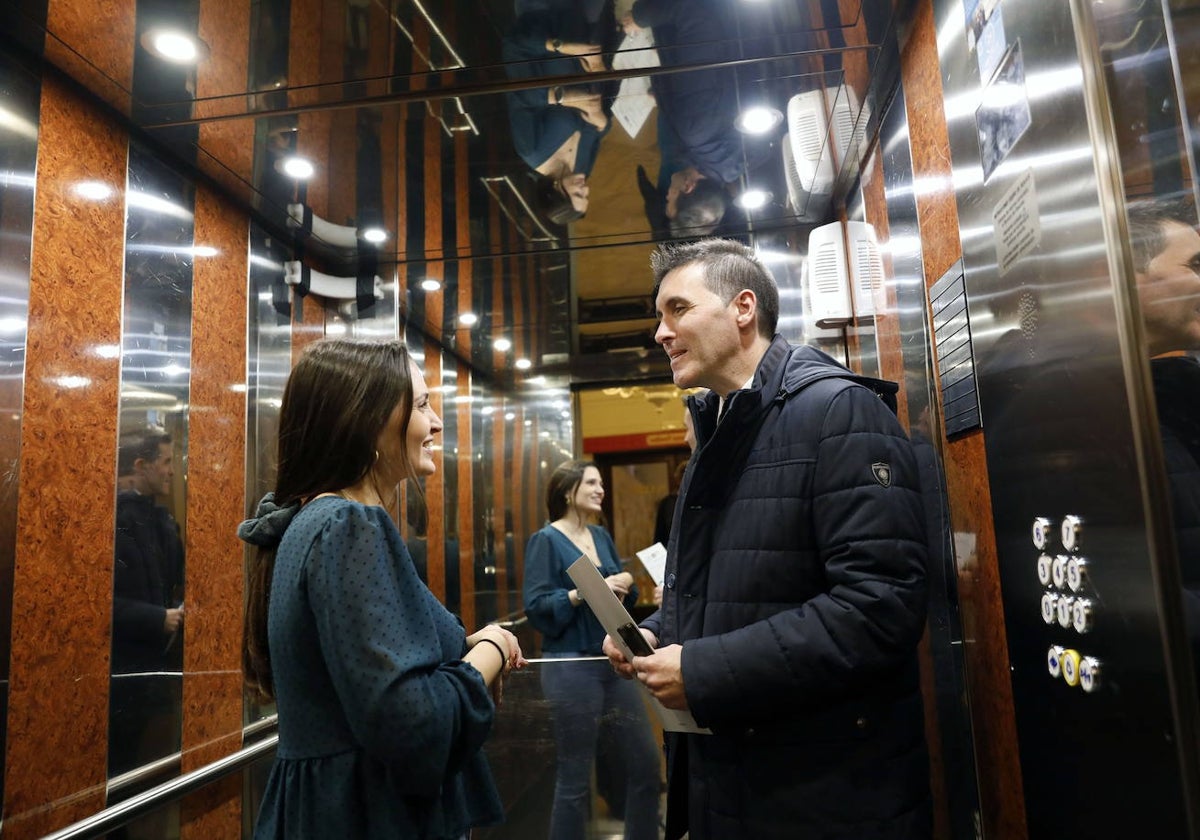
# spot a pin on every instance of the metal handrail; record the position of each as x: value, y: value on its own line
x: 102, y: 822
x: 547, y: 236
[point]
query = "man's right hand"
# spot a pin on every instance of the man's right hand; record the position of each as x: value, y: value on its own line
x: 173, y: 620
x: 620, y: 664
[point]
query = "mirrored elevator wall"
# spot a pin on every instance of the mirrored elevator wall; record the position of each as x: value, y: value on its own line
x: 1104, y: 700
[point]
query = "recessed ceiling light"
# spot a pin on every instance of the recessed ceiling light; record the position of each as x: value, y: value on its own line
x: 430, y: 285
x: 502, y: 344
x: 174, y: 45
x: 753, y: 199
x: 523, y: 364
x: 375, y: 235
x: 297, y: 167
x: 758, y: 120
x: 468, y: 319
x: 508, y: 415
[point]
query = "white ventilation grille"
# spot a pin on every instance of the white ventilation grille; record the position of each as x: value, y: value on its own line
x: 829, y: 284
x: 867, y: 267
x: 807, y: 129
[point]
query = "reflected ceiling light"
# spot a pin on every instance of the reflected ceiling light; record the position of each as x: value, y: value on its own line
x: 204, y: 251
x: 375, y: 235
x: 753, y: 199
x: 13, y: 121
x: 297, y: 167
x: 566, y: 415
x: 758, y: 119
x: 93, y: 190
x: 528, y: 422
x: 487, y: 409
x: 238, y: 387
x: 468, y: 319
x: 174, y: 369
x: 12, y: 325
x: 174, y: 45
x: 536, y: 380
x: 71, y: 381
x: 523, y: 364
x: 502, y: 344
x: 157, y: 204
x: 508, y: 415
x: 430, y: 285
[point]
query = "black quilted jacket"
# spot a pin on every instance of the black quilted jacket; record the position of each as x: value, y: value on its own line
x: 796, y: 584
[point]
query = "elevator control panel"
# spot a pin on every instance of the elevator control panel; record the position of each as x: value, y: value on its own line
x: 1068, y: 601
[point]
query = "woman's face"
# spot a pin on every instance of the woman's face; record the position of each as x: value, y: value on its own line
x: 423, y: 424
x: 589, y: 494
x: 575, y: 186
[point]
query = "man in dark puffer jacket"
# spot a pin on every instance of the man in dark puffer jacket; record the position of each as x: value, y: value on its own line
x: 795, y: 590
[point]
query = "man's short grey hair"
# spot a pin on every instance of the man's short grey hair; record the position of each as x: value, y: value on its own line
x: 1147, y: 220
x: 729, y: 267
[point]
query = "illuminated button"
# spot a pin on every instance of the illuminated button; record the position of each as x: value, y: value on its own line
x: 1071, y: 529
x: 1049, y: 607
x: 1082, y: 615
x: 1076, y: 573
x: 1058, y: 571
x: 1089, y: 674
x: 1041, y: 531
x: 1043, y: 567
x: 1054, y: 661
x: 1064, y: 605
x: 1070, y: 667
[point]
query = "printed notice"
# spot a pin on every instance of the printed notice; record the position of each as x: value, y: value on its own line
x: 1016, y: 225
x: 1004, y: 115
x: 620, y: 626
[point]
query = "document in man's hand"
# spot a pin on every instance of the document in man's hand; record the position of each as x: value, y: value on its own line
x: 617, y: 622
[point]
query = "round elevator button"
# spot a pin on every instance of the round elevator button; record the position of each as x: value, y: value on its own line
x: 1089, y: 674
x: 1070, y: 667
x: 1049, y: 607
x: 1040, y: 532
x: 1082, y: 615
x: 1054, y: 661
x: 1064, y: 605
x: 1071, y: 531
x: 1058, y: 571
x: 1077, y: 573
x: 1043, y: 569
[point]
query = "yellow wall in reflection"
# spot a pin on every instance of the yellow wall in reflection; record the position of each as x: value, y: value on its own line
x: 630, y: 410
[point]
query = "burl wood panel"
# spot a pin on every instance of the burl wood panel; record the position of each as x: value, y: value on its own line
x: 102, y: 64
x: 213, y: 596
x: 465, y: 462
x: 435, y: 485
x: 56, y: 758
x: 1001, y: 793
x: 225, y: 27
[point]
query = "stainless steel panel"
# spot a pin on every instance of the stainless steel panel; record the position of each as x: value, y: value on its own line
x: 1056, y: 375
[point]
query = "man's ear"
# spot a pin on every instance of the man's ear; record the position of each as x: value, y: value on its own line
x: 746, y: 304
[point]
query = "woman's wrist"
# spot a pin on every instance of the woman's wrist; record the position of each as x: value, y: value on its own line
x: 573, y: 597
x: 486, y: 640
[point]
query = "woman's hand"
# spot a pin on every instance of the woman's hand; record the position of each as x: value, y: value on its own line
x: 620, y: 583
x: 505, y: 640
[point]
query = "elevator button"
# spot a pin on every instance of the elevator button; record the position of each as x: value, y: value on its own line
x: 1041, y: 532
x: 1064, y: 605
x: 1054, y: 661
x: 1072, y: 528
x: 1089, y: 674
x: 1070, y: 667
x: 1058, y: 571
x: 1076, y: 573
x: 1043, y: 568
x: 1049, y: 607
x: 1082, y: 615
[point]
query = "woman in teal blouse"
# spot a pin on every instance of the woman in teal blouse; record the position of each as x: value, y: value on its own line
x: 583, y: 694
x: 384, y: 701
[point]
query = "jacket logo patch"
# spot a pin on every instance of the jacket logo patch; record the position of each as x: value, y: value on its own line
x: 882, y: 473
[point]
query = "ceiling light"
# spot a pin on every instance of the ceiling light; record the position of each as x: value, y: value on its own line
x: 508, y: 415
x: 758, y: 120
x: 487, y: 409
x: 536, y: 380
x: 297, y: 167
x: 174, y: 45
x: 753, y: 199
x: 93, y: 190
x: 375, y: 235
x: 502, y: 344
x: 468, y: 319
x: 523, y: 364
x: 430, y: 285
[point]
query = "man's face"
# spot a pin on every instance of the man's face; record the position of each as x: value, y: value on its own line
x: 1169, y: 291
x: 156, y: 475
x: 698, y: 330
x: 682, y: 183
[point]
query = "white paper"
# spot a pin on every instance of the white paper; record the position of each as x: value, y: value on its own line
x: 612, y: 616
x: 654, y: 559
x: 634, y: 104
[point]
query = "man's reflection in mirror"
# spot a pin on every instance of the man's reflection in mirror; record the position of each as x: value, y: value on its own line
x: 556, y: 130
x: 701, y: 151
x: 147, y: 650
x: 1166, y: 253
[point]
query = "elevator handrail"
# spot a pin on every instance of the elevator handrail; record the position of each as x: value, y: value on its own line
x: 102, y: 822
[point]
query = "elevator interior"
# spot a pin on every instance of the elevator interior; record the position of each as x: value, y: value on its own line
x: 421, y: 219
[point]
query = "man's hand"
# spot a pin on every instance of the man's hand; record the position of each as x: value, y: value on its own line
x: 173, y: 620
x: 662, y: 673
x: 617, y: 659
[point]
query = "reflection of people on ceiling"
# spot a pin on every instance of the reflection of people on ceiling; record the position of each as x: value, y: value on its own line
x: 701, y: 150
x: 556, y: 129
x: 1166, y: 257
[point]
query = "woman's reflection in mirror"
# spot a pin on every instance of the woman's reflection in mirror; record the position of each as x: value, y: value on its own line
x: 556, y: 129
x: 147, y: 651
